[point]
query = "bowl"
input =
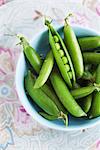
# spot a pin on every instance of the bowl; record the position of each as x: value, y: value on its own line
x: 41, y: 43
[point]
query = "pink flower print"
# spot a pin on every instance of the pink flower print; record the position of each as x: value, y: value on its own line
x: 98, y: 8
x: 7, y: 90
x: 80, y: 19
x: 23, y: 123
x: 6, y: 61
x: 2, y: 2
x: 98, y: 145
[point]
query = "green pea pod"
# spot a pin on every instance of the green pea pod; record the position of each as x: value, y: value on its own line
x: 50, y: 92
x: 91, y: 58
x: 39, y: 97
x: 74, y: 49
x: 95, y: 107
x: 45, y: 70
x: 64, y: 95
x: 59, y: 54
x: 83, y: 91
x: 49, y: 117
x: 32, y: 56
x: 85, y: 103
x: 89, y: 43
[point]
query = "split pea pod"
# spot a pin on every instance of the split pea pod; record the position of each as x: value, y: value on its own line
x: 89, y: 43
x: 45, y: 70
x: 83, y: 91
x: 95, y: 107
x: 85, y: 103
x: 64, y: 95
x: 39, y: 97
x: 73, y: 48
x: 32, y: 56
x: 61, y: 55
x: 91, y: 58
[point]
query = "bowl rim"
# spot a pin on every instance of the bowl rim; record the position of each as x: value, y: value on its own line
x: 33, y: 113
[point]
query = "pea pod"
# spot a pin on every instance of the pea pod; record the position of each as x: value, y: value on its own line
x: 45, y: 70
x: 64, y: 95
x: 32, y: 56
x: 59, y: 51
x: 85, y: 103
x: 73, y: 48
x: 83, y: 91
x: 49, y: 117
x: 95, y: 107
x: 50, y: 92
x: 89, y: 43
x: 40, y: 98
x: 91, y: 58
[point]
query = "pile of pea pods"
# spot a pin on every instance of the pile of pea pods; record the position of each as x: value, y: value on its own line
x: 67, y: 81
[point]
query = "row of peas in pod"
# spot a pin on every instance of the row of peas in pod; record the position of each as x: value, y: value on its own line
x: 67, y: 81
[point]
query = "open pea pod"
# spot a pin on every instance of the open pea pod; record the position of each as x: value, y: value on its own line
x: 61, y: 55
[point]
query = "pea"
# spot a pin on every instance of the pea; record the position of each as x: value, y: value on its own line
x: 61, y: 53
x: 70, y: 74
x: 56, y: 38
x: 57, y: 46
x: 67, y: 67
x: 65, y: 60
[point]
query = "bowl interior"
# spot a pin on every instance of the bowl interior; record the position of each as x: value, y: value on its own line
x: 41, y: 43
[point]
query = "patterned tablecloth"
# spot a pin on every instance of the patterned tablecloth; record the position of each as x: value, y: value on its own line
x: 18, y: 130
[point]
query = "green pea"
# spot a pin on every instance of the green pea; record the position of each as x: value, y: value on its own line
x: 56, y: 39
x: 65, y: 60
x: 61, y: 53
x: 70, y: 74
x: 67, y: 67
x: 57, y: 46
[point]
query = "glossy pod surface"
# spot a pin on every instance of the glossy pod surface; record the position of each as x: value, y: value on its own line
x: 85, y: 103
x: 82, y: 92
x: 45, y: 70
x: 39, y: 97
x: 74, y: 49
x: 89, y: 43
x: 32, y: 56
x: 91, y: 58
x: 64, y: 95
x: 95, y: 107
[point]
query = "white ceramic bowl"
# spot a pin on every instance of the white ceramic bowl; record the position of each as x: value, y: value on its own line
x: 40, y: 43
